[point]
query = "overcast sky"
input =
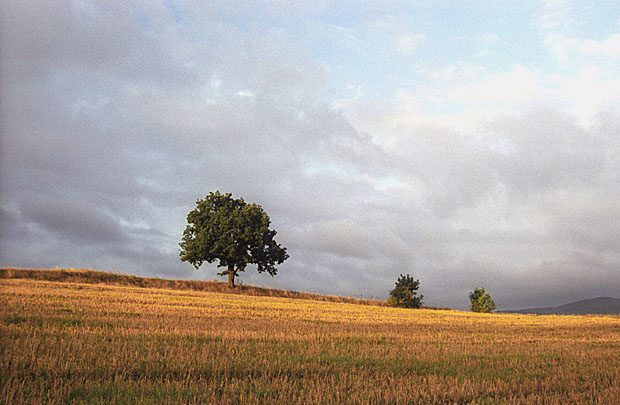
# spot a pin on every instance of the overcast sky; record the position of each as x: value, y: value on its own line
x: 467, y: 143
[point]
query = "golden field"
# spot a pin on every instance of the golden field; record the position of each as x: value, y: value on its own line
x: 69, y: 342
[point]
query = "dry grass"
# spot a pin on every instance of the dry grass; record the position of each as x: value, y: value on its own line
x: 76, y: 342
x: 100, y: 277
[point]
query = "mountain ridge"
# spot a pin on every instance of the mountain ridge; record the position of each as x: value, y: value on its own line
x: 589, y: 306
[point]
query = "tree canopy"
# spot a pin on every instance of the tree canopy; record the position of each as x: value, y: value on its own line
x: 405, y: 293
x: 232, y: 232
x: 480, y: 301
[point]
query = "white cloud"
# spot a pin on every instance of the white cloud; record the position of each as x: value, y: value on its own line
x: 215, y: 82
x: 461, y: 97
x: 464, y: 96
x: 459, y: 72
x: 608, y: 47
x: 407, y: 43
x: 566, y: 47
x: 554, y: 15
x: 560, y: 46
x: 587, y: 92
x: 517, y: 86
x: 245, y: 94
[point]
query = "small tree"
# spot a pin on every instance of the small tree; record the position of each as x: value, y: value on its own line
x: 405, y: 293
x: 232, y: 232
x: 481, y: 301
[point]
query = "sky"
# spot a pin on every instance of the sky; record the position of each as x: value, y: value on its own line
x: 466, y: 143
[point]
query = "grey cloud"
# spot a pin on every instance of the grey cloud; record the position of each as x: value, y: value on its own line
x: 77, y: 221
x: 345, y: 238
x: 547, y: 150
x: 13, y: 236
x: 148, y: 259
x: 88, y: 35
x: 590, y: 222
x: 573, y: 277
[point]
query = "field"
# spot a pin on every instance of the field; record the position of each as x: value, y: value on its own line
x: 64, y: 342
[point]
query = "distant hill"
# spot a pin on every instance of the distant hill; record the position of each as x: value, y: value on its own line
x: 598, y: 306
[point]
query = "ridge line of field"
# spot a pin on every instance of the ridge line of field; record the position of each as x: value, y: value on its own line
x: 101, y: 277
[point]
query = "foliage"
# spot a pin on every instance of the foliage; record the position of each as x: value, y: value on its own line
x: 233, y: 233
x: 481, y: 301
x: 404, y: 295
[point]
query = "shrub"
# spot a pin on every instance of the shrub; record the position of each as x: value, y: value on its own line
x: 481, y: 301
x: 404, y: 295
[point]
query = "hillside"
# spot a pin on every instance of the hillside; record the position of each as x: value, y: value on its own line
x: 102, y: 277
x: 595, y: 306
x: 74, y: 342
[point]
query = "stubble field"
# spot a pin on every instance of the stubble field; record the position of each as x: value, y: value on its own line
x: 64, y: 342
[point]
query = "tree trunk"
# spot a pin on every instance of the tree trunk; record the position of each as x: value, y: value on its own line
x: 231, y: 277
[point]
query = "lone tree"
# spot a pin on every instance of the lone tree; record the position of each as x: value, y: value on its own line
x: 232, y: 232
x: 405, y: 293
x: 481, y: 301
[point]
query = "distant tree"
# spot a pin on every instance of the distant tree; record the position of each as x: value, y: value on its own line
x: 232, y: 232
x: 480, y: 301
x: 405, y: 293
